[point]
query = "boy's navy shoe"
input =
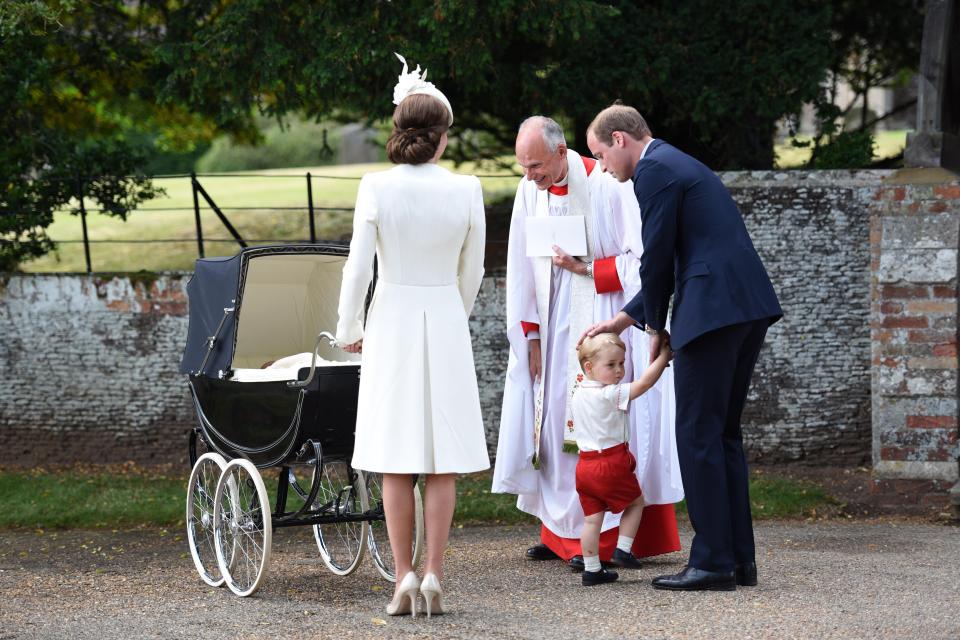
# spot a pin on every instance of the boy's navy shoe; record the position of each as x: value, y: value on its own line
x: 625, y: 559
x: 576, y: 563
x: 592, y: 578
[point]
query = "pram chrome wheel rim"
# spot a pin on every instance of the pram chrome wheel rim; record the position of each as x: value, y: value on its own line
x: 242, y: 527
x: 378, y: 542
x: 201, y: 490
x: 342, y: 493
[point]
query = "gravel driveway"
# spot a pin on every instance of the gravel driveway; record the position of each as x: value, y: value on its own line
x: 878, y: 578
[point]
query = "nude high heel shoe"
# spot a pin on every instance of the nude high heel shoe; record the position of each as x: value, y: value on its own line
x: 432, y: 592
x: 405, y: 599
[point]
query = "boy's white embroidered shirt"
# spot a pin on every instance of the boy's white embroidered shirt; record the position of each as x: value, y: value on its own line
x: 600, y: 413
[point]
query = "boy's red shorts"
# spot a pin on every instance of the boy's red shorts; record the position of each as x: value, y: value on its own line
x: 606, y: 480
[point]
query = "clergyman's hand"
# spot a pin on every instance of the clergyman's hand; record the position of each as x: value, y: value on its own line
x: 356, y: 347
x: 568, y: 262
x: 616, y: 324
x: 534, y: 359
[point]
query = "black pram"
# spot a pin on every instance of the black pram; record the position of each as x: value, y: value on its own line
x: 270, y: 393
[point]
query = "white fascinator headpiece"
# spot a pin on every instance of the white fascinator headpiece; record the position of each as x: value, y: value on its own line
x: 411, y: 82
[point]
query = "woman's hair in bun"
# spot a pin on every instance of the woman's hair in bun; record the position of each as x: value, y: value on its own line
x: 418, y: 123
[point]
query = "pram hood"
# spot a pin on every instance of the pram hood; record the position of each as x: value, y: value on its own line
x: 261, y: 304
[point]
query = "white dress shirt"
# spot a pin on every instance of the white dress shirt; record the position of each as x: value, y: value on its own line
x: 600, y: 412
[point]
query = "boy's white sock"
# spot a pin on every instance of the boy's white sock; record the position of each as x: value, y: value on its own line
x: 624, y: 543
x: 591, y: 563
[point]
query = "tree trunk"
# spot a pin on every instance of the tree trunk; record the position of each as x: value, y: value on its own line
x: 865, y: 113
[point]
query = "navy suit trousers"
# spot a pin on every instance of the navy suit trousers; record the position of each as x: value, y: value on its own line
x: 712, y: 375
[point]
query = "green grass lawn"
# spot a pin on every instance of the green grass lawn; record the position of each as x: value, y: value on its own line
x: 90, y: 498
x: 125, y: 497
x: 887, y: 145
x: 265, y: 193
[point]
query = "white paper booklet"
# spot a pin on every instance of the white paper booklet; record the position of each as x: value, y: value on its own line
x: 567, y: 232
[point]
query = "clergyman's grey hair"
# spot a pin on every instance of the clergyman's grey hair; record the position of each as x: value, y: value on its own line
x: 552, y: 133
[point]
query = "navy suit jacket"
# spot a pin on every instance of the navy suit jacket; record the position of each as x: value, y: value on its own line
x: 695, y: 248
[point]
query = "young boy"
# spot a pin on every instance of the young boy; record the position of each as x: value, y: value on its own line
x: 605, y: 472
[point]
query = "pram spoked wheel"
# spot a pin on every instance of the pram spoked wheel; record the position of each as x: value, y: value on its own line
x: 342, y: 543
x: 242, y: 527
x: 378, y: 542
x: 199, y: 518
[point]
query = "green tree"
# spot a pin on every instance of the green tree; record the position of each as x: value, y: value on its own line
x: 298, y: 143
x: 77, y: 82
x: 873, y: 45
x: 94, y: 88
x: 712, y: 77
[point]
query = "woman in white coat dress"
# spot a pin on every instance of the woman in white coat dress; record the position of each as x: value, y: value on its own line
x: 419, y: 408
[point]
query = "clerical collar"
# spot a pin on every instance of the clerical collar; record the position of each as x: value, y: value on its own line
x: 560, y: 188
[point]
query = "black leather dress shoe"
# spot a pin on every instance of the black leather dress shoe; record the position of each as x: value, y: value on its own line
x: 746, y: 573
x: 540, y: 552
x: 576, y: 563
x: 593, y: 578
x: 625, y: 559
x: 693, y: 579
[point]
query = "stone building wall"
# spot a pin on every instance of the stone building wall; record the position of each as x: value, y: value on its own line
x: 90, y: 362
x: 810, y: 397
x: 90, y: 369
x: 914, y: 236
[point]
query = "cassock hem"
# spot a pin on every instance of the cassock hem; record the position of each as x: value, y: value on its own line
x: 656, y: 536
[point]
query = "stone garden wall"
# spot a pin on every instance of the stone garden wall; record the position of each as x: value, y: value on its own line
x: 90, y: 362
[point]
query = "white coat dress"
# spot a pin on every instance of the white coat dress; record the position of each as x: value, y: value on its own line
x: 418, y: 408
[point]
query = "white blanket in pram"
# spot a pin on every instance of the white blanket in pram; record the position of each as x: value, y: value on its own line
x: 284, y: 368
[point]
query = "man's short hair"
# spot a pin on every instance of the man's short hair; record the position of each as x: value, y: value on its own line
x: 618, y: 117
x: 592, y: 345
x: 551, y: 131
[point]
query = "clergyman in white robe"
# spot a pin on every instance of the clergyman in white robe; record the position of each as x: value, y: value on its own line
x: 546, y: 302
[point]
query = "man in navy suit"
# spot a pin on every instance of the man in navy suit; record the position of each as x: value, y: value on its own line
x: 697, y: 250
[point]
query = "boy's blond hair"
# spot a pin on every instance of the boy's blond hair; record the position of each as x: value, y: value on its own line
x: 591, y: 346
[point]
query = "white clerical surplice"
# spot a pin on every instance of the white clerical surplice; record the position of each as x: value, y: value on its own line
x: 559, y: 305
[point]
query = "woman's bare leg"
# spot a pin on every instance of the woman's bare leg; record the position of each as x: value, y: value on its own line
x: 440, y: 499
x: 398, y: 508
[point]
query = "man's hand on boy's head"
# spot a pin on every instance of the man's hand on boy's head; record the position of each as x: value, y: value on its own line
x: 617, y: 324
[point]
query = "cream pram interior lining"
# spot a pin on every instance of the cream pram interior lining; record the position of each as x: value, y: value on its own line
x: 287, y: 301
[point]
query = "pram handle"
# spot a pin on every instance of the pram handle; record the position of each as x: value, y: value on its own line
x: 332, y: 341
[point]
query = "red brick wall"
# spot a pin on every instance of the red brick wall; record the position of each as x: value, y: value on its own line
x: 914, y: 233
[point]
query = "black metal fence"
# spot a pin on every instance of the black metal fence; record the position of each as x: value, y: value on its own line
x: 204, y: 202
